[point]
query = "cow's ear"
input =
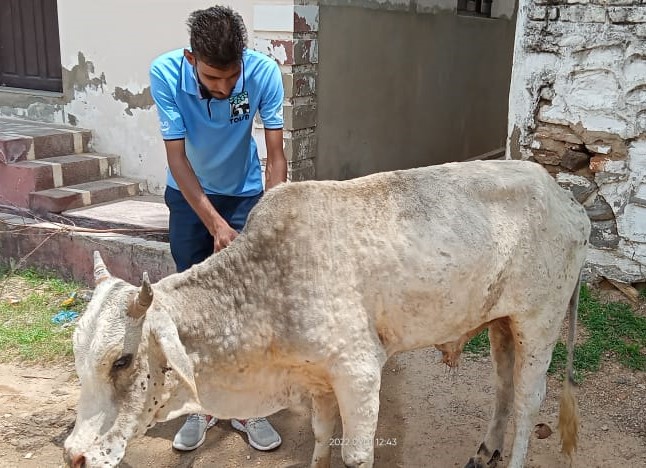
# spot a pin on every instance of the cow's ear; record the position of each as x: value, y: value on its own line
x: 166, y: 335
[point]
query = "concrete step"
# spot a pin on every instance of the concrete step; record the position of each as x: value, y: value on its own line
x: 22, y: 140
x: 60, y: 199
x: 30, y: 243
x: 21, y: 178
x: 144, y: 216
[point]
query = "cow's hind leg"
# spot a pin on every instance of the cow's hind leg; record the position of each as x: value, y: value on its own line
x: 534, y: 344
x: 502, y: 357
x: 356, y: 385
x: 324, y: 413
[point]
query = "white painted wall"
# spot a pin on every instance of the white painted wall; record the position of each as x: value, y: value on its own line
x: 121, y: 38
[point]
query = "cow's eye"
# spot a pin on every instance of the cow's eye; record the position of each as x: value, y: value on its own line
x: 123, y: 362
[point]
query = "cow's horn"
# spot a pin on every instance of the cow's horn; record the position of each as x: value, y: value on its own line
x: 143, y: 299
x: 101, y: 272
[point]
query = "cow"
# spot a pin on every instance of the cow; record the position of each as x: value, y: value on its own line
x: 328, y: 280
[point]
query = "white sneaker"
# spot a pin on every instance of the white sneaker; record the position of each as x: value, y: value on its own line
x: 260, y: 433
x: 193, y: 433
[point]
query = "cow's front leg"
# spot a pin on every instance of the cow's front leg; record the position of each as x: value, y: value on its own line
x: 356, y: 384
x: 324, y: 412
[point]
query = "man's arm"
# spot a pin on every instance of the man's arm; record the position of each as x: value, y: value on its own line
x: 276, y: 170
x: 190, y: 187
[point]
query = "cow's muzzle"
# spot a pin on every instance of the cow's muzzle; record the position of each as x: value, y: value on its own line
x: 74, y: 460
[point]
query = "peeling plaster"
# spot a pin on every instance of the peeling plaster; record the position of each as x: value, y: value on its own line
x: 78, y: 78
x: 306, y: 18
x: 579, y: 79
x: 142, y: 100
x: 278, y: 51
x: 289, y: 51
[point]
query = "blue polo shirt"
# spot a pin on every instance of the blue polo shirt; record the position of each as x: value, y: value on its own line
x: 217, y: 132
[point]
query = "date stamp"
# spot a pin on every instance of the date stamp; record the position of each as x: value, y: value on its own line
x: 363, y: 442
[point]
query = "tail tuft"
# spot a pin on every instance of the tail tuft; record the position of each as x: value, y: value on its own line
x: 568, y: 419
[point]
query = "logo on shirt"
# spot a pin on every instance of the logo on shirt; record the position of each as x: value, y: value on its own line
x: 165, y: 126
x: 239, y: 107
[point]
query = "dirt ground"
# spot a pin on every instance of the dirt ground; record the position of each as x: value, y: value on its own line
x: 436, y: 418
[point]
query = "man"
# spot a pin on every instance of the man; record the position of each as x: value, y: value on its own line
x: 206, y: 98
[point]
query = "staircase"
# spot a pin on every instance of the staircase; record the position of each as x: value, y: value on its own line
x: 49, y: 172
x: 50, y: 168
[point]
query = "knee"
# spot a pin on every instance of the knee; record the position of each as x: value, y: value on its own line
x: 354, y: 458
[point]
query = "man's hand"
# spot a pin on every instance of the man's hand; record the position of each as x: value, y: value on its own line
x: 224, y: 235
x: 183, y: 173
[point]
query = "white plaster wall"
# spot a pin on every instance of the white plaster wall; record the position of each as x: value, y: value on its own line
x: 121, y: 38
x: 586, y: 75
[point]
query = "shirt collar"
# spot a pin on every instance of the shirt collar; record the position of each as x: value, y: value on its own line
x: 190, y: 84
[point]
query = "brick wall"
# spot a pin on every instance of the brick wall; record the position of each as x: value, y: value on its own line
x: 288, y: 33
x: 578, y: 106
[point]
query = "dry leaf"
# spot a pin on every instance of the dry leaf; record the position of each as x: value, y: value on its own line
x: 542, y: 431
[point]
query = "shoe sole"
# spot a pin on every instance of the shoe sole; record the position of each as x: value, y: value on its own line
x: 236, y: 425
x: 184, y: 448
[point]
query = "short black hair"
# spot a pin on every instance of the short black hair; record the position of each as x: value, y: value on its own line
x: 218, y: 36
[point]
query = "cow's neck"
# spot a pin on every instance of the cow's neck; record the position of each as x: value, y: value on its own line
x: 222, y: 304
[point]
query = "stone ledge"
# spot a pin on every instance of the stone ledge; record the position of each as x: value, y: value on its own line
x: 90, y: 193
x: 23, y: 139
x: 70, y: 253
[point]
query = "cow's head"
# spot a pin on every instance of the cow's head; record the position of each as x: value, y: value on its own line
x: 133, y: 369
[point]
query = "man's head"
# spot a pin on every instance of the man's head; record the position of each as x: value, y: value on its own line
x: 218, y: 39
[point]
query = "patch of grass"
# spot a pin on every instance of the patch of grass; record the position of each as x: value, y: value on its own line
x: 612, y: 329
x: 479, y: 344
x: 28, y: 301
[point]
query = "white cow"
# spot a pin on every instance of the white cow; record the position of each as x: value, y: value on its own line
x: 328, y: 280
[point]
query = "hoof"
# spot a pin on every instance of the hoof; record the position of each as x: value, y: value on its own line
x: 484, y: 458
x: 473, y: 463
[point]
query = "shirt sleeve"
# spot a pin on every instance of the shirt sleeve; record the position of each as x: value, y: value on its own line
x: 171, y: 122
x: 271, y: 102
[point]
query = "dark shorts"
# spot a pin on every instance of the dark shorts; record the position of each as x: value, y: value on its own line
x: 190, y: 241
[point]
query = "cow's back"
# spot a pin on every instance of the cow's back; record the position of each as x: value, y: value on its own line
x: 455, y: 240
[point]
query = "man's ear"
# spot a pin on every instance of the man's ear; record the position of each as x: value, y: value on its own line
x: 189, y: 56
x: 165, y: 333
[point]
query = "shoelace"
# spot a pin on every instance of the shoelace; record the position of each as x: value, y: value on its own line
x: 254, y: 423
x: 195, y: 418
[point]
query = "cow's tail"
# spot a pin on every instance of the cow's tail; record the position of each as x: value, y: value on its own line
x: 569, y: 410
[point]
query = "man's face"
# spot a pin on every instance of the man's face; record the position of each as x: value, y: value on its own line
x: 218, y: 81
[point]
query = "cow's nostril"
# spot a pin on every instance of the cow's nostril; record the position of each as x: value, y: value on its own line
x: 78, y: 461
